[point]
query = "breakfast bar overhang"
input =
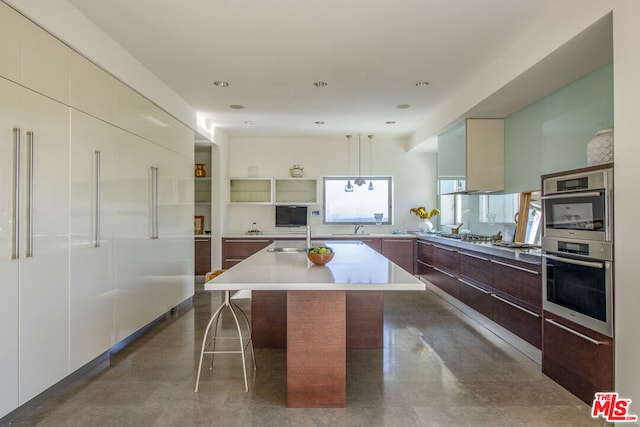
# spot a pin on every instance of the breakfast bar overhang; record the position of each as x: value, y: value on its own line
x: 328, y: 308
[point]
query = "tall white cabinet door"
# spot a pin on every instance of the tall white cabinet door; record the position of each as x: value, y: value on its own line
x: 173, y: 250
x: 9, y: 99
x: 134, y: 300
x: 93, y: 195
x: 44, y: 273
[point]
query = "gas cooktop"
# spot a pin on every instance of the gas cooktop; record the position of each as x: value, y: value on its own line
x: 468, y: 237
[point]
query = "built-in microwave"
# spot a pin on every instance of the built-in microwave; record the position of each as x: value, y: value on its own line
x: 577, y: 279
x: 578, y: 205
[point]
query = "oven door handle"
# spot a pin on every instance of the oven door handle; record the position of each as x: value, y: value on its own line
x: 592, y: 264
x: 572, y: 195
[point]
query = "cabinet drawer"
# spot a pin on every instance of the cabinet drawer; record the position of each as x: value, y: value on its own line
x: 425, y: 252
x: 243, y: 248
x: 476, y: 268
x: 444, y: 280
x: 446, y: 258
x: 521, y: 283
x: 475, y: 297
x: 577, y: 358
x: 525, y: 323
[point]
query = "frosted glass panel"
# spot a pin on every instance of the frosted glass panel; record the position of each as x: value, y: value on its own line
x: 552, y: 134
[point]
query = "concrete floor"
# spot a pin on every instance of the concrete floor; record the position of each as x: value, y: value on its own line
x: 437, y: 368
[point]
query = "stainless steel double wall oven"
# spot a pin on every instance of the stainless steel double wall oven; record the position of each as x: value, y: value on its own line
x: 577, y: 246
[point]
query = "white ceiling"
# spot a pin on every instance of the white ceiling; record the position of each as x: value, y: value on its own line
x: 370, y: 52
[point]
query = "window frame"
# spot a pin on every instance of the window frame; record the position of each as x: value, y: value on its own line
x: 390, y: 191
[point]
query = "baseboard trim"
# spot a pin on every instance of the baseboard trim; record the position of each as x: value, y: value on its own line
x: 510, y: 338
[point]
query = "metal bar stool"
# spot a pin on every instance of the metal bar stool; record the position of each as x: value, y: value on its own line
x: 234, y: 309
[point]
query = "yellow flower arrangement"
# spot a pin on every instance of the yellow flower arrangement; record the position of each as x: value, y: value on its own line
x: 423, y: 213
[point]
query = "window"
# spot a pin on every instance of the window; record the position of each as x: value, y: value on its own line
x: 450, y: 209
x: 360, y: 205
x: 499, y: 208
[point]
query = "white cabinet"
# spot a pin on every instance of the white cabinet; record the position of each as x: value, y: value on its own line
x: 9, y: 98
x: 10, y: 22
x: 93, y: 209
x: 91, y: 89
x: 41, y: 249
x: 133, y: 306
x: 250, y: 190
x: 471, y: 157
x: 172, y: 262
x: 298, y: 191
x: 45, y: 62
x: 64, y: 299
x: 280, y: 191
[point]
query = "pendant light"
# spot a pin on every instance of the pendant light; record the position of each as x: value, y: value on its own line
x: 359, y: 180
x: 370, y: 188
x: 348, y: 188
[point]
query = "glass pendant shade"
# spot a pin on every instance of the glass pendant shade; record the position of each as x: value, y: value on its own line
x: 348, y: 188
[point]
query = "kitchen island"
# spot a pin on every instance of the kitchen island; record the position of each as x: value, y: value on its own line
x: 327, y: 309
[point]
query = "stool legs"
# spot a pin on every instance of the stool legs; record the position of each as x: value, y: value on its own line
x: 232, y: 307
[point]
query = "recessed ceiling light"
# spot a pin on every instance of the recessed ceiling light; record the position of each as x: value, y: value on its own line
x: 390, y: 122
x: 319, y: 122
x: 422, y: 84
x: 236, y: 106
x: 320, y: 84
x: 221, y: 83
x: 403, y: 106
x: 249, y: 122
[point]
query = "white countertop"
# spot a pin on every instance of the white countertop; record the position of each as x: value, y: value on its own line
x: 355, y: 266
x: 327, y: 236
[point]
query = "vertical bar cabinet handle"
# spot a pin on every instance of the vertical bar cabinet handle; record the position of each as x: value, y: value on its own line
x: 154, y: 202
x: 29, y: 249
x: 15, y: 215
x: 97, y: 201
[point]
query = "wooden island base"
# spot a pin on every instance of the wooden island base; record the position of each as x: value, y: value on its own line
x: 317, y: 327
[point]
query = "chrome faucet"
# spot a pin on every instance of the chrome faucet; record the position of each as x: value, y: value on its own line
x: 358, y: 227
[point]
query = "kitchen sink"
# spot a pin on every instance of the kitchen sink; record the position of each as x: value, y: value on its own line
x: 288, y: 249
x: 350, y: 234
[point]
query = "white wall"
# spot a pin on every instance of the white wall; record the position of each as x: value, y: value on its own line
x: 627, y: 203
x: 413, y: 173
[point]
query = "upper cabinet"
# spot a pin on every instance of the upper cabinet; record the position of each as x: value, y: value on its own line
x: 471, y: 157
x: 279, y: 191
x: 91, y: 89
x: 27, y: 50
x: 10, y: 22
x: 250, y: 190
x: 299, y: 191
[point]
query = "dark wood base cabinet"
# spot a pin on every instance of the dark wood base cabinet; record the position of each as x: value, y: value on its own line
x: 202, y: 255
x: 237, y: 250
x: 577, y: 358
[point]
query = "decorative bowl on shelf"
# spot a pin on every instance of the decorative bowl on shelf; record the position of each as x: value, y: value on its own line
x: 320, y: 255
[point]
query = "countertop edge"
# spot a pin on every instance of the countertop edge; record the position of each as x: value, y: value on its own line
x: 529, y: 256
